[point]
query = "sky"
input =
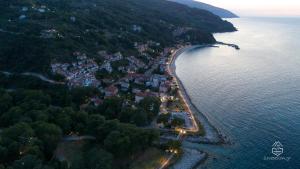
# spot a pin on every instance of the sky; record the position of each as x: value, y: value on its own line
x: 259, y: 7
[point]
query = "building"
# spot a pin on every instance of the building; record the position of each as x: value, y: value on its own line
x: 42, y: 10
x: 141, y: 95
x: 136, y: 28
x: 135, y: 91
x: 111, y: 91
x: 50, y: 33
x: 155, y: 82
x: 107, y: 67
x: 21, y: 17
x: 124, y: 86
x: 96, y: 101
x: 164, y: 88
x: 73, y: 18
x: 117, y: 56
x: 24, y: 9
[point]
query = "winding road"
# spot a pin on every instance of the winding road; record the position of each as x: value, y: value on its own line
x: 37, y: 75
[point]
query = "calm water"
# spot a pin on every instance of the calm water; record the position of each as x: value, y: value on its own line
x: 251, y: 95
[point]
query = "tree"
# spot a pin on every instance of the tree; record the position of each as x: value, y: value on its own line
x: 11, y: 117
x: 111, y: 107
x: 103, y: 131
x: 28, y: 162
x: 126, y: 115
x: 97, y: 158
x: 37, y: 96
x: 101, y: 74
x: 164, y: 118
x: 140, y: 117
x: 49, y: 134
x: 61, y: 117
x: 5, y: 102
x: 13, y: 139
x: 37, y: 115
x: 77, y: 161
x: 79, y: 121
x: 81, y: 95
x: 3, y: 154
x: 94, y: 122
x: 64, y: 121
x: 117, y: 143
x: 151, y: 106
x: 2, y: 166
x: 177, y: 122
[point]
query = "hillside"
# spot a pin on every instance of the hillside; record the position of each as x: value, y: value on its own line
x: 35, y: 33
x: 223, y: 13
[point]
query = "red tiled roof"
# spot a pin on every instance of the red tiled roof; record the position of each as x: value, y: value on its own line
x: 111, y: 88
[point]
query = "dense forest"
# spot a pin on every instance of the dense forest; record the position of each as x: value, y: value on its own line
x: 34, y: 33
x: 33, y: 122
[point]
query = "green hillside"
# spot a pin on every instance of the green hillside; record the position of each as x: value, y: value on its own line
x: 33, y: 33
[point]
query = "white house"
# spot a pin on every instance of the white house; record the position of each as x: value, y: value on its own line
x: 107, y: 67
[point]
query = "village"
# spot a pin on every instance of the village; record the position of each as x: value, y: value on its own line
x: 155, y: 80
x: 140, y: 76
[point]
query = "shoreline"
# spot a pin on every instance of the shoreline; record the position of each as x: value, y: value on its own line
x: 211, y: 134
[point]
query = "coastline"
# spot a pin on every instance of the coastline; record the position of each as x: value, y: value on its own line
x: 211, y: 134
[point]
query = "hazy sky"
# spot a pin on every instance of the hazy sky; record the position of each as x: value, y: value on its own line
x: 259, y: 7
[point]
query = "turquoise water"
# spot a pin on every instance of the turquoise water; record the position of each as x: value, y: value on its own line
x: 252, y: 95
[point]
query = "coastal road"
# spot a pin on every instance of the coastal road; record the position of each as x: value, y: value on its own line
x: 171, y: 70
x: 195, y: 128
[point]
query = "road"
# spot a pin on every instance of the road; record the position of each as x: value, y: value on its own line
x: 195, y: 128
x: 171, y: 71
x: 39, y: 76
x: 165, y: 164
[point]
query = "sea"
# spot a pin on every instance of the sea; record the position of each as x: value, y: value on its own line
x: 251, y: 95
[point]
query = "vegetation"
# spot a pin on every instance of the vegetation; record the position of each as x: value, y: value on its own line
x: 164, y: 118
x: 142, y: 115
x: 33, y: 123
x: 92, y: 25
x: 36, y: 116
x: 177, y: 122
